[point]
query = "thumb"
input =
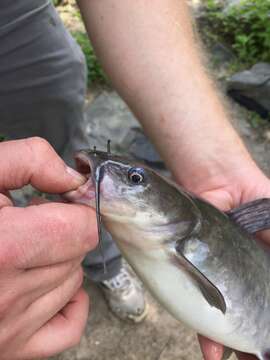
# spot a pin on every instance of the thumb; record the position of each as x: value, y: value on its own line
x: 34, y: 161
x: 220, y: 198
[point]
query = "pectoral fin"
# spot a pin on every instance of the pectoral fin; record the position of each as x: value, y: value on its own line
x: 253, y: 216
x: 210, y: 292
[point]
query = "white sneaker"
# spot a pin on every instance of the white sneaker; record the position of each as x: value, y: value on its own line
x: 125, y: 296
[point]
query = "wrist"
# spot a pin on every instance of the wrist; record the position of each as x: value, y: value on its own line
x: 197, y: 141
x: 224, y: 171
x: 231, y: 187
x: 203, y: 163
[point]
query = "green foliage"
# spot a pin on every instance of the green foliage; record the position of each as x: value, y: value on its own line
x: 56, y: 2
x: 245, y: 26
x: 256, y: 121
x: 95, y: 72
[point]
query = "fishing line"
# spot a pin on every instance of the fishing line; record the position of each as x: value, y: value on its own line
x: 109, y: 147
x: 98, y: 176
x: 97, y: 193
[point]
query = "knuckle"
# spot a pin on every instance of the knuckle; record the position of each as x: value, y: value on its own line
x: 9, y: 253
x: 90, y: 230
x: 83, y: 224
x: 71, y: 225
x: 38, y: 144
x: 59, y: 225
x: 90, y: 243
x: 7, y: 302
x: 39, y: 149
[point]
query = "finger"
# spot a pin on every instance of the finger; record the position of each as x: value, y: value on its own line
x: 34, y: 161
x: 63, y: 331
x: 219, y: 198
x: 47, y: 306
x: 5, y: 200
x: 45, y: 234
x: 39, y: 313
x: 210, y: 349
x: 36, y: 283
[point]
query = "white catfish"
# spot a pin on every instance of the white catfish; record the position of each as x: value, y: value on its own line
x: 202, y: 266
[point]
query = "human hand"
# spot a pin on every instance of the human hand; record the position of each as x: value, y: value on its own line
x: 43, y: 309
x: 238, y: 190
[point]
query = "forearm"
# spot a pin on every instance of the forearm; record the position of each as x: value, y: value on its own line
x: 149, y: 52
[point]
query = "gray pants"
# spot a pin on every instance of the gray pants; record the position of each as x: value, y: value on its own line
x: 42, y: 91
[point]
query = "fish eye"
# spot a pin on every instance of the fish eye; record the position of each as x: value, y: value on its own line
x: 136, y: 175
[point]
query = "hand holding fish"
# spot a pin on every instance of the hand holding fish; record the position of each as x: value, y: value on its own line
x: 43, y: 309
x: 201, y: 263
x: 177, y: 104
x: 252, y: 187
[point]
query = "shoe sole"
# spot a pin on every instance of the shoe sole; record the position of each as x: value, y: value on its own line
x: 138, y: 318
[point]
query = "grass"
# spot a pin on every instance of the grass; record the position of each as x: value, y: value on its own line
x: 95, y: 72
x: 245, y: 27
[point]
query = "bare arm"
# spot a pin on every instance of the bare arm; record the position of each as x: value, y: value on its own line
x: 150, y: 53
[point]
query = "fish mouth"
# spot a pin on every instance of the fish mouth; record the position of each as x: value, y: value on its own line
x: 88, y: 164
x: 86, y: 193
x: 83, y: 164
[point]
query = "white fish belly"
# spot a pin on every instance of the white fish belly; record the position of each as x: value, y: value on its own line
x: 176, y: 292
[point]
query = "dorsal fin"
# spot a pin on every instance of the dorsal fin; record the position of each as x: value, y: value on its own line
x: 253, y: 216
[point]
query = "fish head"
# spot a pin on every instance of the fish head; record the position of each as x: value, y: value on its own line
x: 131, y: 194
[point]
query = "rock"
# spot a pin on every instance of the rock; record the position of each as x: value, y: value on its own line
x: 108, y: 117
x: 251, y: 88
x: 221, y: 53
x: 23, y: 196
x: 267, y: 135
x: 139, y: 147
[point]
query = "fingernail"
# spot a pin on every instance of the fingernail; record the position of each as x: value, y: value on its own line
x: 79, y: 178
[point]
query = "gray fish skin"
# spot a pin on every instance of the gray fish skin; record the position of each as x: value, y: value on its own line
x: 156, y: 222
x: 239, y: 267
